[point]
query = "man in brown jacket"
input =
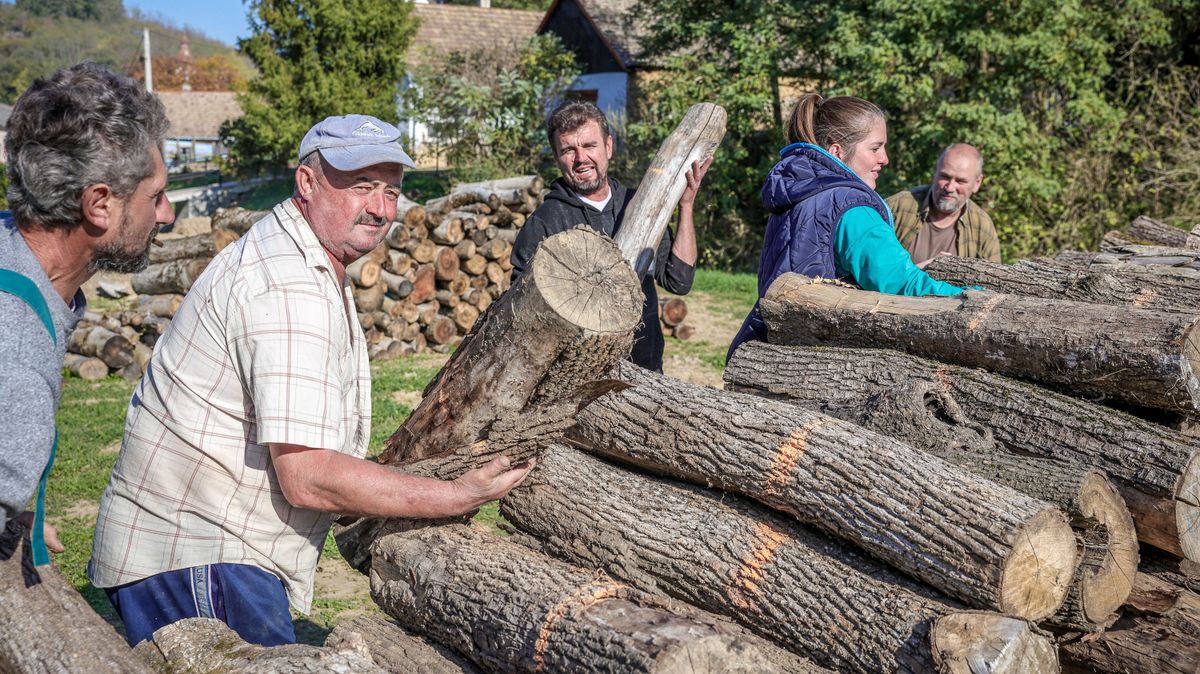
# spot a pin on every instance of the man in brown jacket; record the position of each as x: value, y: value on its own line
x: 940, y: 218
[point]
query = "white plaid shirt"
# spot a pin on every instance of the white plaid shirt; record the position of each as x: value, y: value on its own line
x: 263, y: 350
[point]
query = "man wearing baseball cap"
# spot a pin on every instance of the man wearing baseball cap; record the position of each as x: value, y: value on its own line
x: 247, y: 431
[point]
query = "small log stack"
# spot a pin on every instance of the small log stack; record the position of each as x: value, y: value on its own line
x: 671, y: 314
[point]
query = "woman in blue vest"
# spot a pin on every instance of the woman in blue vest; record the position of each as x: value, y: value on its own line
x: 826, y: 219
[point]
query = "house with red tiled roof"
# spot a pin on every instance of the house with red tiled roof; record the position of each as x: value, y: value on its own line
x: 196, y: 118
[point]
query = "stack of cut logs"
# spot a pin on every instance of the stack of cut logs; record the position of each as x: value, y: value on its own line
x: 440, y: 266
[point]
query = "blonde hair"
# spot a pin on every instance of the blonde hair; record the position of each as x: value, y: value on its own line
x: 841, y: 120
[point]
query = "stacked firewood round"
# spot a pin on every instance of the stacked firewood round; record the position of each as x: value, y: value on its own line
x: 441, y: 265
x: 671, y: 313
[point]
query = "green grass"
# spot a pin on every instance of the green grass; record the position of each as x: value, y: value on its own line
x: 734, y: 293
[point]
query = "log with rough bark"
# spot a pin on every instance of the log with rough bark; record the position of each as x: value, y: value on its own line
x: 646, y: 216
x: 797, y: 587
x: 1156, y: 469
x: 46, y: 626
x: 200, y: 245
x: 970, y: 538
x: 85, y: 367
x: 236, y: 219
x: 1146, y: 358
x: 164, y: 306
x: 510, y: 609
x: 369, y: 299
x: 364, y: 272
x: 92, y: 340
x: 198, y: 645
x: 1156, y: 233
x: 1129, y: 286
x: 508, y: 190
x: 1193, y: 238
x: 176, y: 276
x: 568, y: 320
x: 395, y: 649
x: 1132, y: 253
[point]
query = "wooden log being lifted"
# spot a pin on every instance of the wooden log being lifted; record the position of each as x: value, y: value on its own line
x: 646, y: 216
x: 1156, y: 469
x: 1132, y: 286
x: 1147, y: 358
x: 797, y: 587
x: 510, y: 609
x: 570, y: 318
x: 970, y: 538
x: 925, y: 415
x: 48, y: 627
x: 176, y: 276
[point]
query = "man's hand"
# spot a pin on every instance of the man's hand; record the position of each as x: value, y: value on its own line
x: 49, y: 533
x: 494, y: 480
x: 695, y: 176
x: 921, y: 265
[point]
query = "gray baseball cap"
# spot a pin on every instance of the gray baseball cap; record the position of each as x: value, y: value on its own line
x: 352, y: 142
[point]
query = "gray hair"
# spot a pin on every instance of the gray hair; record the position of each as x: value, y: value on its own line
x: 81, y: 126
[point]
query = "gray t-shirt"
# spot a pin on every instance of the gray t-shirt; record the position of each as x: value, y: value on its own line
x: 30, y: 373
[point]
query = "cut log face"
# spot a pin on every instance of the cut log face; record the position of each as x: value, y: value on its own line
x: 975, y: 540
x: 84, y: 367
x: 815, y: 596
x: 48, y: 627
x: 1156, y: 469
x: 396, y: 650
x: 1147, y: 358
x: 568, y: 320
x: 646, y: 215
x: 98, y: 342
x: 966, y: 643
x: 509, y: 609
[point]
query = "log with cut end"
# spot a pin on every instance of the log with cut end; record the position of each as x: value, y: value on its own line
x: 506, y: 190
x: 176, y: 276
x: 422, y: 251
x: 684, y: 331
x: 200, y: 245
x: 1147, y: 358
x: 569, y: 320
x: 46, y: 627
x: 395, y: 649
x: 209, y: 645
x: 409, y: 212
x: 1156, y: 469
x: 445, y: 264
x: 160, y: 305
x: 98, y: 342
x: 646, y: 215
x: 364, y: 272
x: 805, y: 591
x: 450, y: 230
x: 398, y: 236
x: 1129, y: 285
x: 672, y: 311
x: 369, y: 299
x: 441, y: 330
x: 970, y: 538
x: 85, y: 367
x: 465, y: 316
x: 424, y: 282
x: 967, y: 643
x: 237, y: 219
x: 510, y: 609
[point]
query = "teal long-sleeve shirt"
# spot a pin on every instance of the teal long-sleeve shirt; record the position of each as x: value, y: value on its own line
x: 865, y: 248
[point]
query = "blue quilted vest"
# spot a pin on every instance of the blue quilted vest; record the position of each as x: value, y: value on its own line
x: 806, y: 193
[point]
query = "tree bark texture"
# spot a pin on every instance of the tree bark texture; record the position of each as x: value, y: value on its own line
x: 395, y: 649
x: 807, y: 592
x: 176, y: 276
x: 1157, y: 233
x: 512, y: 610
x: 1134, y: 253
x: 204, y: 245
x: 970, y: 538
x: 207, y: 645
x: 238, y: 219
x: 1146, y: 358
x: 566, y: 322
x: 48, y: 627
x: 1129, y: 286
x: 646, y: 216
x: 1156, y: 469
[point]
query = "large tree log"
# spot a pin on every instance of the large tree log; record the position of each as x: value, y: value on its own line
x: 46, y: 626
x: 1127, y: 286
x: 925, y: 415
x: 206, y: 645
x: 1156, y: 469
x: 508, y: 191
x: 970, y: 538
x: 176, y: 276
x: 646, y: 216
x: 512, y: 610
x: 237, y: 219
x: 807, y: 592
x: 200, y: 245
x: 85, y: 367
x: 1147, y: 358
x: 395, y: 649
x: 565, y: 322
x: 1149, y: 230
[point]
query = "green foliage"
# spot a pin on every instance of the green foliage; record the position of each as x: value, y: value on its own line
x: 1058, y: 95
x: 85, y: 10
x: 315, y: 58
x: 537, y: 5
x: 485, y: 109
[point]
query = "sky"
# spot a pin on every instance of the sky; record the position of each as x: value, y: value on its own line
x: 224, y: 20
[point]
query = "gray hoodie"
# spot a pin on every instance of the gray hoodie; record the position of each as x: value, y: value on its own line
x: 30, y: 373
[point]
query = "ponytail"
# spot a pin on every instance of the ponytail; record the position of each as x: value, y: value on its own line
x: 841, y: 120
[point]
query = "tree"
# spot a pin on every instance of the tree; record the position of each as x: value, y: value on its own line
x: 485, y: 108
x: 106, y: 11
x: 315, y: 58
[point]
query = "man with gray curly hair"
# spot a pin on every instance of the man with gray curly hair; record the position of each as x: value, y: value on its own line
x: 86, y: 191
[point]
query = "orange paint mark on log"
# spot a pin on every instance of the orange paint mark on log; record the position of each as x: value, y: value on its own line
x: 1145, y: 297
x: 789, y: 453
x: 984, y: 313
x: 942, y: 375
x: 589, y: 593
x: 746, y: 583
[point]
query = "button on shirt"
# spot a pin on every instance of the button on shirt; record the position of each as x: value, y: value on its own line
x: 263, y: 350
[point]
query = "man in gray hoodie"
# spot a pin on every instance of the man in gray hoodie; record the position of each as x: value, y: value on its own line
x: 86, y: 189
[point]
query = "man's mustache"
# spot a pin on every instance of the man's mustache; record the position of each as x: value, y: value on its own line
x: 368, y: 219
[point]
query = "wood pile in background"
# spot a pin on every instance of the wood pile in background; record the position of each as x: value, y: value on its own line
x: 441, y: 265
x: 671, y: 314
